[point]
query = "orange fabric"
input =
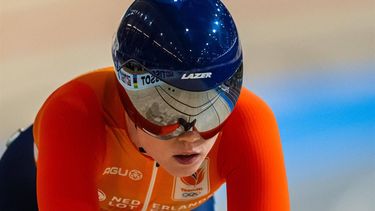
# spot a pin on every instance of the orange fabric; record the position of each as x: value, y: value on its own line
x: 253, y: 163
x: 84, y: 151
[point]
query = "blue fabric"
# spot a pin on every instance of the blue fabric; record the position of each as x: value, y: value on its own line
x: 209, y: 205
x: 18, y: 175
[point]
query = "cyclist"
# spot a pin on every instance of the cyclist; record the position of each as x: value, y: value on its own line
x: 164, y: 128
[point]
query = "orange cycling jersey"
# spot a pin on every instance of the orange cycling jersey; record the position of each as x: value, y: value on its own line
x: 86, y: 160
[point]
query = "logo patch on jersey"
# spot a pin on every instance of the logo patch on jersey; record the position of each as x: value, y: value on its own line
x: 194, y: 186
x: 101, y: 195
x: 194, y: 179
x: 133, y: 174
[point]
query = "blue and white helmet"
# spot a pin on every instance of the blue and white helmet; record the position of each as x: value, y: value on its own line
x: 180, y: 65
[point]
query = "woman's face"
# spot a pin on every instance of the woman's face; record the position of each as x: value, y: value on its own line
x: 180, y: 156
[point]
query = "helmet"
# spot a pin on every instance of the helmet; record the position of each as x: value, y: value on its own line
x: 179, y: 64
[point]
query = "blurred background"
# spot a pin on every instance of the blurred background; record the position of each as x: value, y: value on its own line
x: 313, y: 62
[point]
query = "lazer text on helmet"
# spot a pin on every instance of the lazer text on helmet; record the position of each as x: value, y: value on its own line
x: 196, y: 75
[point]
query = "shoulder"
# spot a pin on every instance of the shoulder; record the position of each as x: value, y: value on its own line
x: 76, y: 100
x: 74, y: 95
x: 251, y: 157
x: 250, y: 137
x: 251, y: 127
x: 250, y: 110
x: 251, y: 118
x: 82, y: 91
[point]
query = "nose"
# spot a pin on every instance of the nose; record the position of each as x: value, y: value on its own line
x: 190, y: 136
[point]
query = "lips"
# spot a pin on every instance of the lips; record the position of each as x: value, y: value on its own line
x: 186, y: 159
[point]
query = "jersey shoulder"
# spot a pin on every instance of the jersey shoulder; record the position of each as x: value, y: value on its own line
x: 251, y: 108
x: 251, y: 126
x: 82, y: 95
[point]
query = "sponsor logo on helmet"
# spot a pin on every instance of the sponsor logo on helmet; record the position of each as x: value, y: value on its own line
x: 101, y: 195
x: 196, y: 75
x: 137, y: 81
x: 133, y: 174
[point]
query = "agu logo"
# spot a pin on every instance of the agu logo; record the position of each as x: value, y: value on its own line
x: 194, y: 186
x: 135, y: 175
x: 194, y: 179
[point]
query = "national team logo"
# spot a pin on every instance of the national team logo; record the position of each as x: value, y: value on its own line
x: 101, y: 195
x: 194, y: 186
x: 194, y: 179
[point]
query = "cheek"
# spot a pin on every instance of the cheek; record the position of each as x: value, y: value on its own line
x: 157, y: 149
x: 152, y: 146
x: 209, y: 143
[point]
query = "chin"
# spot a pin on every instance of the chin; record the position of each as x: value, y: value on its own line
x: 183, y: 171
